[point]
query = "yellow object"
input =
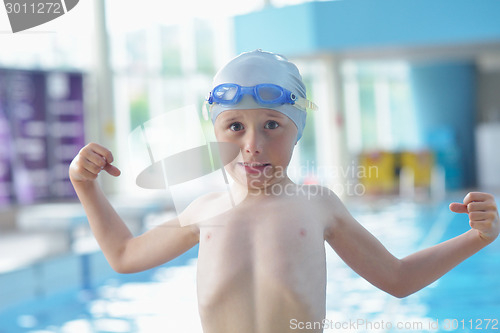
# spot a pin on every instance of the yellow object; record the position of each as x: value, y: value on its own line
x: 421, y: 164
x: 377, y: 172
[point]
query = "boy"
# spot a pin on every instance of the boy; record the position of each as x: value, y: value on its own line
x: 261, y: 264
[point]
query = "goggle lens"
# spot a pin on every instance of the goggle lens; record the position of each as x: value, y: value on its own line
x: 269, y: 94
x: 226, y: 93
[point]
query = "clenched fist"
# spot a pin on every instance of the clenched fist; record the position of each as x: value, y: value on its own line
x: 90, y: 161
x: 483, y: 214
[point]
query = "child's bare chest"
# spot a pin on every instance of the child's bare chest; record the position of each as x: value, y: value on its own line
x: 277, y: 247
x: 280, y: 230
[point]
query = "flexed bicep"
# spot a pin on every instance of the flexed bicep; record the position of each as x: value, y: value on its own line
x: 361, y: 250
x: 158, y: 246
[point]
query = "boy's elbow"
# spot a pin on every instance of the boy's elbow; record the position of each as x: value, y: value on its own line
x: 121, y: 261
x: 121, y: 266
x: 121, y: 269
x: 400, y: 286
x: 400, y: 292
x: 125, y: 267
x: 396, y: 290
x: 118, y: 267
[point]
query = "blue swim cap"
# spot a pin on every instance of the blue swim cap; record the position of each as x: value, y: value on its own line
x: 258, y: 67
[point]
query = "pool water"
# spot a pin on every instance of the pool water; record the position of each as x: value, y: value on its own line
x: 161, y: 299
x: 467, y: 299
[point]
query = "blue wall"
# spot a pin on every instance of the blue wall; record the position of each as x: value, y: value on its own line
x: 444, y: 94
x: 287, y: 30
x: 357, y: 24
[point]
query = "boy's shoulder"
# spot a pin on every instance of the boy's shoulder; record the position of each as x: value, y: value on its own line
x: 322, y: 197
x: 206, y: 207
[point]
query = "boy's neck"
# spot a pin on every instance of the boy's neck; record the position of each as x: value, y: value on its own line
x: 241, y: 192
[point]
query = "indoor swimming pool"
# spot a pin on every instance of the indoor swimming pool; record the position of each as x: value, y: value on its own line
x: 164, y: 299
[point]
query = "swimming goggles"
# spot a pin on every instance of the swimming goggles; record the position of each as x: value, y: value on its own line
x: 266, y: 94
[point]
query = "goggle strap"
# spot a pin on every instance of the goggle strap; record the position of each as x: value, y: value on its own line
x: 306, y: 104
x: 205, y: 109
x: 311, y: 106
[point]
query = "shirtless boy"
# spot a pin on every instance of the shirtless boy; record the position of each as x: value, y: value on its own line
x: 261, y: 264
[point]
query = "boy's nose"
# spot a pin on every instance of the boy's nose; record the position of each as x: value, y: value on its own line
x: 253, y: 142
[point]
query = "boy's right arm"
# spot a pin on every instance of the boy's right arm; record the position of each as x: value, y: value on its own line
x: 124, y: 252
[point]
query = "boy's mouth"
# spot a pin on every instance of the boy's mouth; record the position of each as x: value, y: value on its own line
x: 254, y: 167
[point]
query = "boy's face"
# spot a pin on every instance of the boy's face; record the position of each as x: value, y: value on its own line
x: 266, y: 139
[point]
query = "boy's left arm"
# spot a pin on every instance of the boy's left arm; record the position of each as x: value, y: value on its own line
x: 369, y: 258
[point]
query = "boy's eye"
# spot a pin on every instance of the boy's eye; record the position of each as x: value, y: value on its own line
x: 236, y: 127
x: 271, y: 124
